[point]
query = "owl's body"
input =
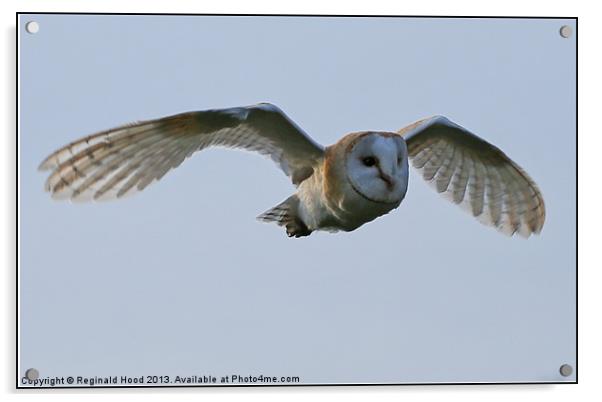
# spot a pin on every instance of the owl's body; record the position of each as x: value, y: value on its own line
x: 330, y: 200
x: 339, y: 188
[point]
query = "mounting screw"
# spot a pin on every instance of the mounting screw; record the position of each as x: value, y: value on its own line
x: 566, y: 31
x: 32, y: 27
x: 566, y: 370
x: 32, y: 374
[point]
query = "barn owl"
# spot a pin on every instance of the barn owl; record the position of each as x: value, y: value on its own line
x: 339, y: 187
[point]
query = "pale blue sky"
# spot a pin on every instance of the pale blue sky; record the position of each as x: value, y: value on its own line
x: 181, y: 279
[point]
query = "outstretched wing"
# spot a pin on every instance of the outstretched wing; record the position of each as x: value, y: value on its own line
x: 475, y: 174
x: 116, y: 162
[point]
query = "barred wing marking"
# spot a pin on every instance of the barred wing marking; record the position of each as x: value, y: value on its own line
x: 475, y: 174
x: 120, y: 161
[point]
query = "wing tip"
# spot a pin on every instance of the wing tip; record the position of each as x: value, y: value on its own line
x: 60, y: 195
x: 46, y: 164
x: 523, y: 230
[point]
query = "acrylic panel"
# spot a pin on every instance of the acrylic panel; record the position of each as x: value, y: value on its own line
x: 180, y: 285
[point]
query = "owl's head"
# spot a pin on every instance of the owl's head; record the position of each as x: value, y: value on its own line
x: 377, y: 166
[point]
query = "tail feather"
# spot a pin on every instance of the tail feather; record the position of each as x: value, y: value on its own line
x: 283, y: 213
x: 286, y: 214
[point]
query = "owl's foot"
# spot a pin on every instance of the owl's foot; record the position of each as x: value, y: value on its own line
x: 297, y: 228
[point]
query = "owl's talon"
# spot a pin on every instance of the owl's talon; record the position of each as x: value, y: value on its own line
x: 297, y: 229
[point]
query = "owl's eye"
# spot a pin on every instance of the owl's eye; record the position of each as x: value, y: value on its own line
x: 369, y: 161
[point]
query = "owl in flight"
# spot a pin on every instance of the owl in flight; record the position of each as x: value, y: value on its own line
x: 339, y: 187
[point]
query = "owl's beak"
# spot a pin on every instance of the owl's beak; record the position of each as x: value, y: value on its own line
x: 387, y: 179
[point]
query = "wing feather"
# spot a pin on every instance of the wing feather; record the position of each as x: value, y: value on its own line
x: 495, y: 194
x: 446, y: 172
x: 126, y: 159
x: 433, y: 161
x: 476, y: 187
x: 475, y: 174
x: 460, y: 179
